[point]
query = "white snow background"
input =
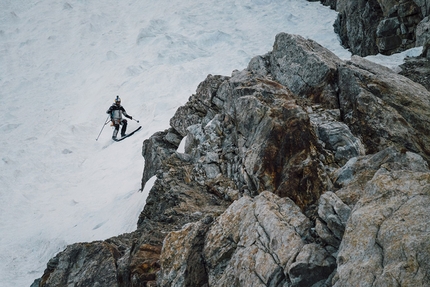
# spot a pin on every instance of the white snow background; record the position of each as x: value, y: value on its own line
x: 61, y: 66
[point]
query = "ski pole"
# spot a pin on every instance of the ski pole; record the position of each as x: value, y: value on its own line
x: 103, y: 127
x: 135, y: 120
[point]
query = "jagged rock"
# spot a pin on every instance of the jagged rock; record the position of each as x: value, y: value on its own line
x: 261, y: 150
x: 285, y: 178
x: 383, y: 107
x: 177, y: 198
x: 156, y: 149
x: 423, y: 32
x: 260, y: 64
x: 353, y: 176
x: 313, y: 264
x: 245, y: 245
x: 381, y: 26
x: 197, y: 106
x: 334, y: 215
x: 386, y: 239
x: 336, y: 135
x: 305, y: 67
x: 181, y: 261
x: 418, y: 68
x: 356, y: 25
x: 113, y: 262
x: 83, y: 264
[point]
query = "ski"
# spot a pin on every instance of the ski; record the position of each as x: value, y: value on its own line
x: 127, y: 135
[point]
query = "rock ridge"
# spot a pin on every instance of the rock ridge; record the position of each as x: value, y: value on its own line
x: 381, y: 26
x: 300, y: 170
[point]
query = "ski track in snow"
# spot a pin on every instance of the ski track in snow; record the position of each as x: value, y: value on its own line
x: 62, y: 64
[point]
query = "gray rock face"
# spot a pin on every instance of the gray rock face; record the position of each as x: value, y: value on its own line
x: 181, y: 256
x: 423, y: 32
x: 335, y: 135
x: 386, y: 238
x: 312, y: 267
x: 370, y: 96
x: 301, y: 170
x: 382, y: 26
x: 245, y: 245
x: 305, y: 67
x: 156, y: 149
x: 418, y: 68
x: 356, y: 25
x: 81, y: 264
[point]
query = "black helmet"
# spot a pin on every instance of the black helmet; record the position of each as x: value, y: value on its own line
x: 117, y: 100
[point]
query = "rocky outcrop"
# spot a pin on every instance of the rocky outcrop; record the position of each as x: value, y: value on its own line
x: 300, y: 170
x: 382, y: 26
x: 356, y: 25
x: 154, y: 155
x: 385, y: 237
x: 418, y: 68
x: 369, y: 94
x: 245, y: 243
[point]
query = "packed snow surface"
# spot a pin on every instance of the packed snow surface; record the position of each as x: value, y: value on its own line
x: 61, y: 66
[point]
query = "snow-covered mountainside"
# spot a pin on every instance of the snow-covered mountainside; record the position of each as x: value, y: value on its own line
x: 61, y: 66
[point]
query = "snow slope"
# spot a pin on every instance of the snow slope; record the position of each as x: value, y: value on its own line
x: 62, y: 64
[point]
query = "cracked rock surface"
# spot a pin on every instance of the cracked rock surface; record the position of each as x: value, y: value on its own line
x: 245, y: 244
x: 386, y: 241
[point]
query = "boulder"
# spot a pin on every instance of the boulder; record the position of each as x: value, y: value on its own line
x: 356, y: 25
x: 381, y: 26
x: 388, y: 27
x: 386, y: 239
x: 383, y: 107
x: 83, y: 264
x: 418, y: 68
x: 353, y: 176
x: 305, y: 67
x: 245, y: 245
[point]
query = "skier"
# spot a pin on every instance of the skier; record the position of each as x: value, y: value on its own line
x: 116, y: 111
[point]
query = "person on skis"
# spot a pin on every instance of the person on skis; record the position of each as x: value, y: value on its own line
x: 116, y: 111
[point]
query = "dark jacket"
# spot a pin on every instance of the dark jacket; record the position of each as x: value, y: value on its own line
x: 116, y: 112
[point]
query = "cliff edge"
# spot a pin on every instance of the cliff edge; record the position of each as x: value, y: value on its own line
x: 300, y: 170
